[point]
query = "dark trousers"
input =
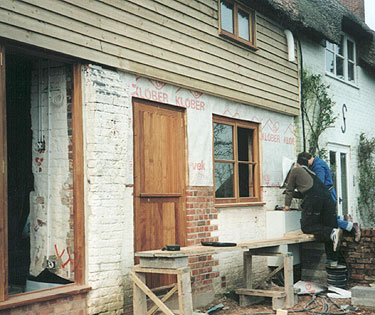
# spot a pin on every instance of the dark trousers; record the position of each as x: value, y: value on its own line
x: 319, y: 218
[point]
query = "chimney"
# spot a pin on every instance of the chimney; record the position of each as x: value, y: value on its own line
x: 356, y: 6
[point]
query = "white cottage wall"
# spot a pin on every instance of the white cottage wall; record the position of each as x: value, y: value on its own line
x: 109, y: 174
x: 355, y: 119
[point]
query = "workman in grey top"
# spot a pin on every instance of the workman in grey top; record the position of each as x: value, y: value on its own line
x: 318, y: 208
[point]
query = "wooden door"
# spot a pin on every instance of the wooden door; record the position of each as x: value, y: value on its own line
x: 159, y: 164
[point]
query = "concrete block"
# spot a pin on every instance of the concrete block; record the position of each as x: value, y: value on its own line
x: 161, y: 262
x: 363, y: 296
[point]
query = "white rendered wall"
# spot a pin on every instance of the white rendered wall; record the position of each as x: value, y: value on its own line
x: 109, y: 168
x: 360, y: 103
x: 51, y: 236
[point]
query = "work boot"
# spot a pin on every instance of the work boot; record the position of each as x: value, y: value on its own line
x: 357, y: 231
x: 336, y: 236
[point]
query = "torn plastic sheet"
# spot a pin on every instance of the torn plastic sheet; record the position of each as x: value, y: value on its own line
x: 307, y: 287
x: 339, y: 293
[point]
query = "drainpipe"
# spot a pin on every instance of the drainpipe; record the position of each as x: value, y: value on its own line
x: 290, y: 42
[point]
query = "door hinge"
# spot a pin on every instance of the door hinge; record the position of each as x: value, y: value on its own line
x: 3, y: 167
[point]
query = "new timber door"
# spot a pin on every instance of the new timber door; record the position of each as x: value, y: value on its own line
x: 159, y: 165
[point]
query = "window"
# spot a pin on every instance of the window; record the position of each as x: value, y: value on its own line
x: 340, y: 59
x: 236, y: 22
x: 41, y: 184
x: 236, y: 160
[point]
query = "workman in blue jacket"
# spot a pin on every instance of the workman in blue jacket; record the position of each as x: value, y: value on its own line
x: 323, y: 172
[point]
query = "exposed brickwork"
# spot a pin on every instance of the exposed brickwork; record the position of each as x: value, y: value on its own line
x: 360, y: 257
x: 356, y: 6
x: 71, y: 305
x: 200, y: 212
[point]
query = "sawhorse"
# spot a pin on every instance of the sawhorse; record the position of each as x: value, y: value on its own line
x: 280, y: 298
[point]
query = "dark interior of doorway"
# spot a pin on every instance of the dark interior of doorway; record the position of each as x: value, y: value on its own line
x: 20, y: 176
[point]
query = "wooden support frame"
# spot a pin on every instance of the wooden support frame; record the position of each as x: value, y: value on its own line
x: 141, y: 291
x: 286, y: 297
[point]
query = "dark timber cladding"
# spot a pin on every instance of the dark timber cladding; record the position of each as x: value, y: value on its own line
x: 172, y: 41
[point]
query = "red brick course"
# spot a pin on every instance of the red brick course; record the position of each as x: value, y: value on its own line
x: 200, y: 212
x: 360, y: 257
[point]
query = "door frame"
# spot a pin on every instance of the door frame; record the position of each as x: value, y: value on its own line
x: 341, y: 148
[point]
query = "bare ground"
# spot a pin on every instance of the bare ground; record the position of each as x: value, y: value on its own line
x: 231, y: 307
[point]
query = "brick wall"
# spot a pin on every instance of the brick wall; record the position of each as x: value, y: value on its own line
x: 200, y: 212
x: 360, y: 257
x: 356, y: 6
x: 72, y: 305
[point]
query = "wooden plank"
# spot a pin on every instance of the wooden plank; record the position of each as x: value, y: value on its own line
x: 138, y: 268
x: 67, y: 290
x: 78, y: 177
x: 244, y: 246
x: 3, y: 182
x: 269, y: 293
x: 150, y: 294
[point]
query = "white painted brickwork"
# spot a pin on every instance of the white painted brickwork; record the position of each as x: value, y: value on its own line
x: 108, y: 155
x: 360, y: 103
x: 109, y: 206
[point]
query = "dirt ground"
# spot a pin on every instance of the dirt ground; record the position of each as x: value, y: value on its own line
x: 231, y: 307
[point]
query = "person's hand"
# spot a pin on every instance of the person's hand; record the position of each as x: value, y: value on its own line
x: 286, y: 208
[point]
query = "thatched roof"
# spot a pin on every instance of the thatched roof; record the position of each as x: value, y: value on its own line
x: 318, y: 20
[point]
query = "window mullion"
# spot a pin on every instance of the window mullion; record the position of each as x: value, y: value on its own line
x: 236, y: 169
x: 235, y: 20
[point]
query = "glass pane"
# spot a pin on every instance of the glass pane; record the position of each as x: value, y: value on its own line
x: 330, y: 45
x: 344, y: 183
x: 332, y: 165
x: 246, y: 177
x: 330, y: 67
x: 227, y: 17
x: 340, y: 67
x: 350, y: 50
x: 350, y: 71
x: 224, y: 180
x: 223, y: 141
x: 340, y: 48
x: 245, y: 144
x: 243, y: 25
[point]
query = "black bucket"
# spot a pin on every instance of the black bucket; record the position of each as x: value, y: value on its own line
x: 337, y: 276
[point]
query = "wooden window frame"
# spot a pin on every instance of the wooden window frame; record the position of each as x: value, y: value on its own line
x: 255, y: 127
x: 235, y: 36
x: 345, y: 58
x: 79, y: 285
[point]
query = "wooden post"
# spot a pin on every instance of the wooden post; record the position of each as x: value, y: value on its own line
x: 247, y: 270
x: 185, y: 299
x: 139, y: 297
x: 288, y: 279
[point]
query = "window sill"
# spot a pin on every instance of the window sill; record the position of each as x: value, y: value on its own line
x: 43, y: 295
x: 239, y: 43
x: 240, y: 204
x: 353, y: 85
